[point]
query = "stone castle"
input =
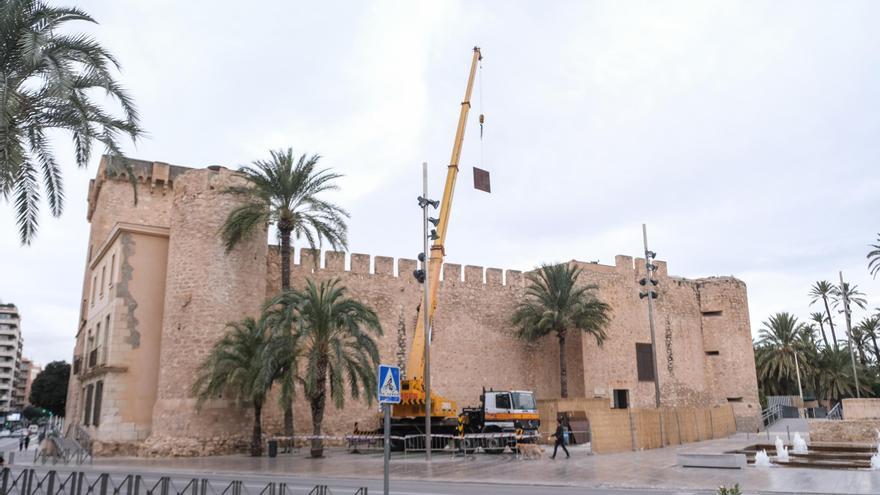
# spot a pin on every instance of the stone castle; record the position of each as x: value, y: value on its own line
x: 158, y: 289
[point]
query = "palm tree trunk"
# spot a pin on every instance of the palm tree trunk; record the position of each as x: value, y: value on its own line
x: 317, y: 399
x: 824, y: 337
x: 285, y: 286
x: 563, y: 371
x: 257, y: 438
x: 830, y: 321
x: 876, y: 349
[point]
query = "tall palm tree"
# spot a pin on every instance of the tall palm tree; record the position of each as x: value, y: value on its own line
x: 860, y: 340
x: 874, y: 258
x: 286, y: 191
x: 870, y: 326
x: 820, y: 318
x: 334, y: 336
x: 554, y: 303
x: 853, y: 294
x: 48, y: 77
x: 822, y: 291
x: 235, y: 365
x: 783, y: 342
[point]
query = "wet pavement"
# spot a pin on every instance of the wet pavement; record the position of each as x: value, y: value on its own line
x: 649, y: 469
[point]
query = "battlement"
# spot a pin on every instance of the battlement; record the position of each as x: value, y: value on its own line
x: 314, y: 261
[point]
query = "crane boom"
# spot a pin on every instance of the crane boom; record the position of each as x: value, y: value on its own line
x: 412, y: 394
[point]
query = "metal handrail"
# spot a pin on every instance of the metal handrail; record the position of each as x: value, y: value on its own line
x: 771, y: 415
x: 836, y: 412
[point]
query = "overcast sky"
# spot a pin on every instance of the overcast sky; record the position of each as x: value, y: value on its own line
x: 745, y: 134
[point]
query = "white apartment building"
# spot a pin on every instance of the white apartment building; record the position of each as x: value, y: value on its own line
x: 10, y: 358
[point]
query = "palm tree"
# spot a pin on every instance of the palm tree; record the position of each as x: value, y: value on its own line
x: 554, y: 303
x: 860, y: 339
x: 820, y: 318
x: 835, y: 375
x: 334, y: 336
x: 783, y: 342
x: 874, y: 258
x: 822, y: 290
x: 853, y: 295
x: 48, y: 77
x: 235, y: 365
x: 285, y: 191
x: 870, y: 326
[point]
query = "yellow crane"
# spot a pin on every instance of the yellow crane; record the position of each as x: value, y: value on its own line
x: 412, y: 394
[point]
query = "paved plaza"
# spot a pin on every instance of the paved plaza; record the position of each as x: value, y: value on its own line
x: 646, y: 470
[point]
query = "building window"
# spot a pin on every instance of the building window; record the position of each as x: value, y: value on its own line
x: 105, y: 345
x: 103, y: 278
x: 621, y: 399
x: 96, y: 410
x: 645, y: 362
x: 94, y: 287
x: 712, y: 313
x: 87, y: 414
x: 713, y: 353
x: 112, y: 269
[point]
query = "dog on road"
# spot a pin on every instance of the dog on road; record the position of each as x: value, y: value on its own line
x: 530, y: 450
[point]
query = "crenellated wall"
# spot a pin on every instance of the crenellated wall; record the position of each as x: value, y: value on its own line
x: 702, y: 327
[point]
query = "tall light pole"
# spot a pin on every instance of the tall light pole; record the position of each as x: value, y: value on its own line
x: 425, y: 312
x: 846, y: 314
x: 651, y: 294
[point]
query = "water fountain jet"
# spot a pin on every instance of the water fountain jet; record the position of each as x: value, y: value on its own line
x: 762, y: 459
x: 781, y: 450
x: 799, y: 445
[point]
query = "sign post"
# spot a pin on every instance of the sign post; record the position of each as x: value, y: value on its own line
x: 389, y: 393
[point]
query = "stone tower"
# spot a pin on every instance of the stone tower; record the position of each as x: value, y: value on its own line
x: 202, y: 298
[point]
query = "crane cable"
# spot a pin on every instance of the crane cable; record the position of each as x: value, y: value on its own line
x: 482, y: 117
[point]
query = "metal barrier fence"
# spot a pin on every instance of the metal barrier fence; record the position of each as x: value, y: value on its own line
x: 467, y: 444
x: 30, y: 482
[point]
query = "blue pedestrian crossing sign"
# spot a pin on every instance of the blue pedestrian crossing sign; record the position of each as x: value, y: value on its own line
x: 389, y: 384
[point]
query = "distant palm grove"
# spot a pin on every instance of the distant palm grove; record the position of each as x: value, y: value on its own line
x: 823, y: 356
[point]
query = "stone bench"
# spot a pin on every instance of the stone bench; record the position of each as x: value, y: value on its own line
x: 711, y: 460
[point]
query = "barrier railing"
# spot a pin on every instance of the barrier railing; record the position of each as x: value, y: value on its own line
x: 771, y: 415
x: 31, y: 482
x: 836, y: 412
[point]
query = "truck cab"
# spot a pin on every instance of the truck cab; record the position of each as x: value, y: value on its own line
x: 510, y: 411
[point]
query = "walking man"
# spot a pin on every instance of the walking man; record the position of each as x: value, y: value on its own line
x: 561, y: 434
x: 27, y: 440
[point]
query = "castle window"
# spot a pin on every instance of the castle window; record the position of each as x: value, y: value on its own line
x: 712, y: 353
x: 734, y: 399
x: 621, y: 399
x: 96, y: 409
x: 645, y: 362
x: 87, y: 413
x: 711, y: 313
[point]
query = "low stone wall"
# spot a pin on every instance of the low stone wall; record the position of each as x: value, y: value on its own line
x: 847, y: 430
x: 861, y: 408
x: 192, y: 447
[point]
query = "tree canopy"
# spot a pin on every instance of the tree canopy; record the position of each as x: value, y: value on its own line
x: 49, y: 389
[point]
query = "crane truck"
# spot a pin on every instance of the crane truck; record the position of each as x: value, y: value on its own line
x: 500, y: 411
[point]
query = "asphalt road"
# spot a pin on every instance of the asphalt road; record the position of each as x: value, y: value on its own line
x: 302, y: 485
